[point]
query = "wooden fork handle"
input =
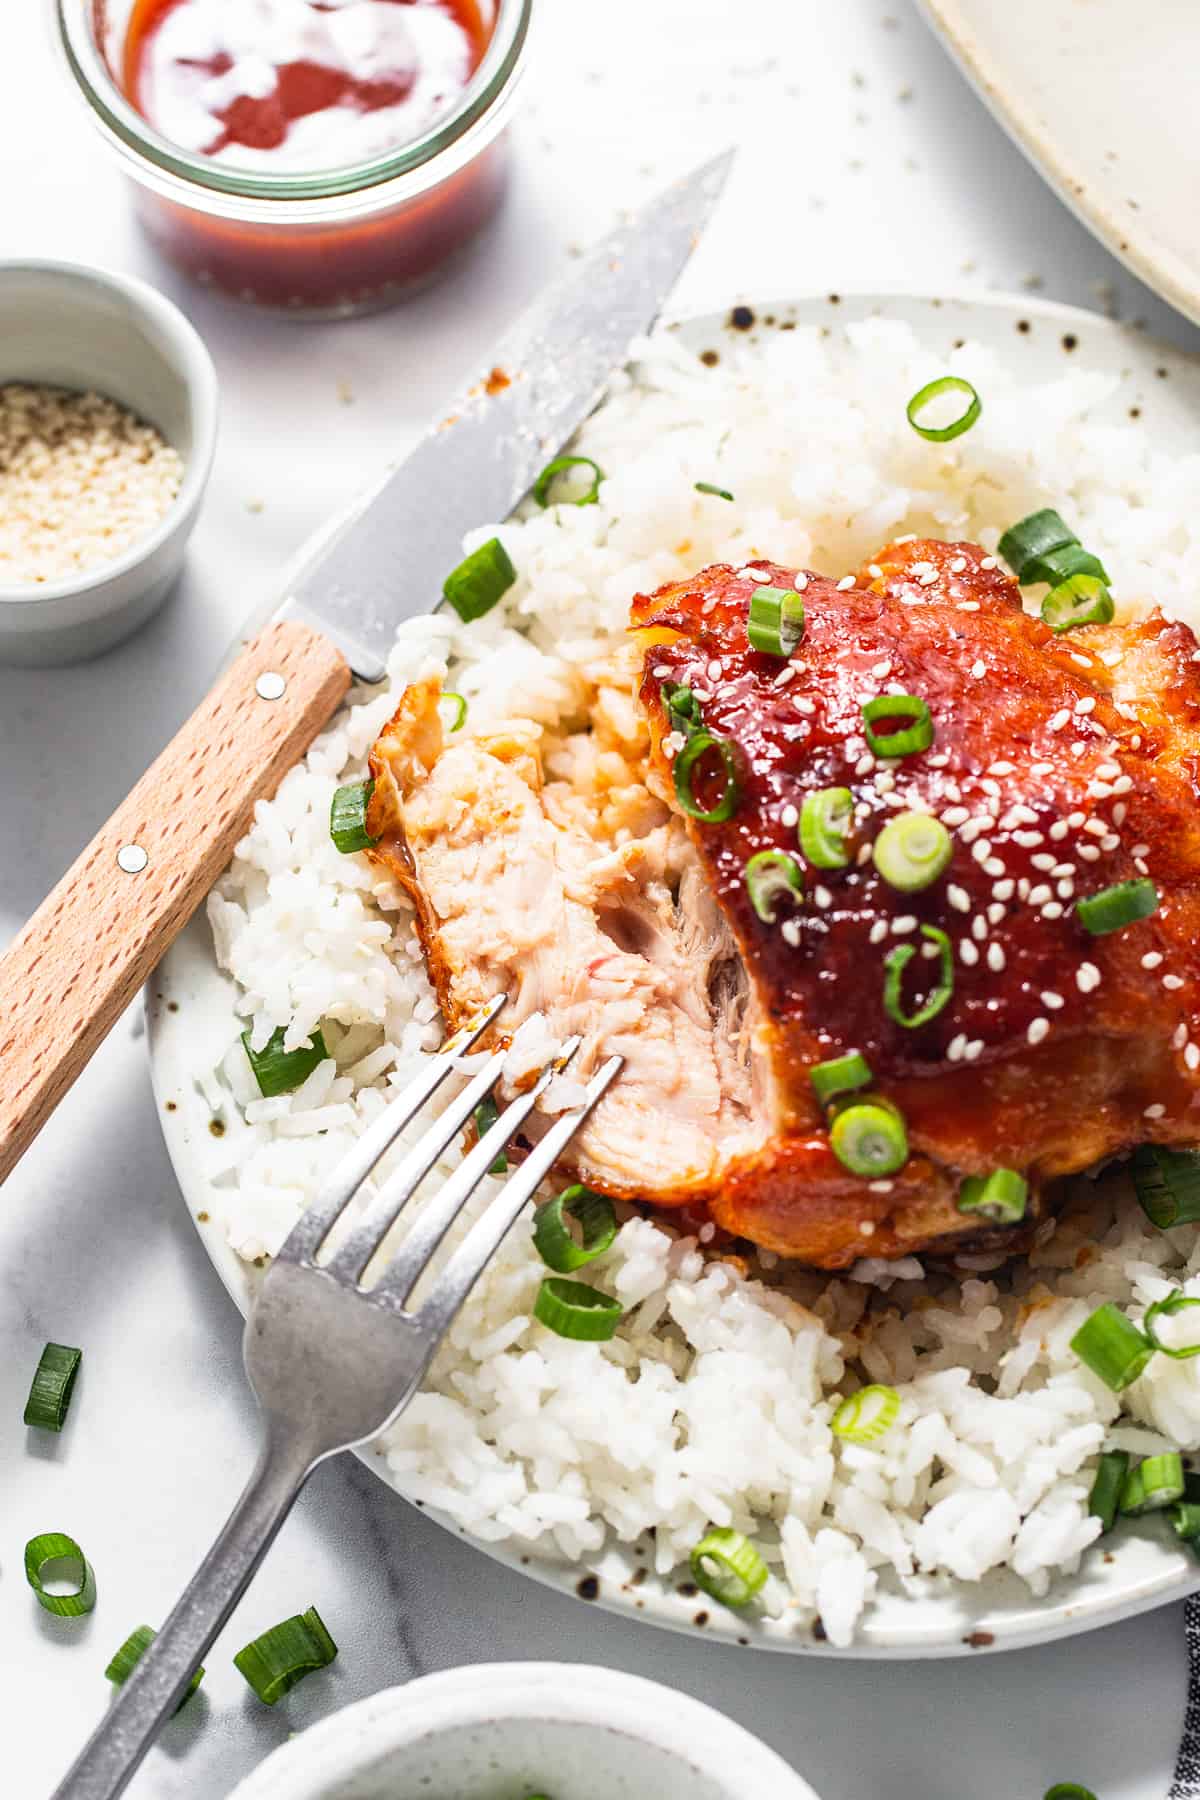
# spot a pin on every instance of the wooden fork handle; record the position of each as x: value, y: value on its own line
x: 90, y: 945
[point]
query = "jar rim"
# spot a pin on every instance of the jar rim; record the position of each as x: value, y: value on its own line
x: 497, y: 69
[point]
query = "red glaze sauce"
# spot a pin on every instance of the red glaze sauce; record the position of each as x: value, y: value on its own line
x: 298, y: 84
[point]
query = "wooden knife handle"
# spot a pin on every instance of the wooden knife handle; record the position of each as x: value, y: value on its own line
x: 90, y: 945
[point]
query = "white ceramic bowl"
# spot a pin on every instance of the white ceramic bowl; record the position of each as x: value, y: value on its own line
x: 507, y: 1731
x: 76, y: 327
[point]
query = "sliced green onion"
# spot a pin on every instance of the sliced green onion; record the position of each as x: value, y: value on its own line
x: 460, y: 708
x: 868, y: 1138
x: 1068, y: 1790
x: 683, y: 708
x: 1058, y: 566
x: 825, y: 821
x: 1168, y: 1185
x: 1111, y: 1347
x: 866, y: 1416
x: 1030, y: 539
x: 706, y: 487
x: 1185, y: 1521
x: 573, y: 1310
x: 933, y: 390
x: 552, y: 1238
x: 729, y: 1569
x: 131, y: 1653
x: 1152, y: 1484
x: 912, y: 850
x: 775, y: 623
x: 57, y: 1547
x: 840, y: 1075
x: 50, y: 1390
x: 917, y: 736
x: 544, y: 482
x: 1166, y: 1309
x: 772, y: 875
x: 1000, y: 1196
x: 1080, y: 600
x: 1105, y: 1496
x: 348, y: 817
x: 894, y: 965
x: 1115, y: 907
x: 285, y: 1654
x: 693, y: 752
x: 480, y: 579
x: 486, y: 1114
x: 279, y: 1071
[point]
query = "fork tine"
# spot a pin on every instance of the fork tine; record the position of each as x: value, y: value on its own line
x: 344, y: 1180
x: 406, y: 1268
x: 485, y: 1236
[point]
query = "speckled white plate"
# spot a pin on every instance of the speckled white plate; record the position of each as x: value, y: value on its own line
x: 1101, y: 96
x: 190, y: 1009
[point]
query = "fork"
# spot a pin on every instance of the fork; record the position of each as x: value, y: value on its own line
x: 333, y: 1361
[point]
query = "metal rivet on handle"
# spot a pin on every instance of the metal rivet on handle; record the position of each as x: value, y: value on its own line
x: 132, y: 859
x: 270, y: 686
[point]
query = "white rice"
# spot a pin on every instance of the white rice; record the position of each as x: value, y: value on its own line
x: 713, y: 1403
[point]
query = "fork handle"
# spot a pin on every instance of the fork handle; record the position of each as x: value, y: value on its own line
x: 156, y: 1685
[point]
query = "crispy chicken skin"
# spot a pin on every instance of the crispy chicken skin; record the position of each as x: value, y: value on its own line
x: 558, y: 866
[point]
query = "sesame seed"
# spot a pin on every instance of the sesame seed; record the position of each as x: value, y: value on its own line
x: 1143, y: 868
x: 973, y: 1050
x: 990, y: 562
x: 660, y: 671
x: 1041, y: 768
x: 1029, y: 840
x: 1109, y: 770
x: 956, y: 1048
x: 1081, y: 662
x: 874, y: 571
x: 938, y: 760
x: 715, y: 669
x: 864, y: 765
x: 804, y: 705
x: 1097, y: 827
x: 880, y: 669
x: 994, y: 867
x: 979, y: 927
x: 955, y: 815
x: 1087, y: 977
x: 1120, y: 812
x: 789, y: 816
x: 957, y: 565
x: 1039, y: 895
x: 958, y: 897
x: 881, y: 1187
x: 973, y: 827
x: 995, y: 958
x: 1059, y: 830
x: 1052, y: 910
x: 885, y: 781
x: 1191, y: 1056
x: 1043, y: 860
x: 1099, y: 790
x: 1059, y: 720
x: 991, y: 788
x: 1023, y: 815
x: 784, y: 676
x: 1065, y: 889
x: 846, y: 582
x: 1111, y: 841
x: 903, y: 925
x: 1003, y: 890
x: 1052, y: 1001
x: 1001, y: 768
x: 967, y: 606
x: 800, y: 582
x: 1110, y: 658
x: 1038, y: 1029
x: 1173, y: 982
x: 978, y: 669
x: 1123, y: 784
x: 1075, y: 820
x: 996, y: 912
x: 1180, y: 1038
x: 1088, y: 852
x: 927, y: 577
x: 1154, y: 1112
x: 1140, y: 850
x: 864, y: 854
x: 879, y: 931
x: 823, y: 897
x: 790, y: 931
x: 1079, y: 748
x: 968, y: 954
x: 1086, y: 705
x: 1152, y: 959
x: 981, y: 850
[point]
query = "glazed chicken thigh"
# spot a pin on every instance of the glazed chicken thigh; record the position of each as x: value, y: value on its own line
x: 601, y: 879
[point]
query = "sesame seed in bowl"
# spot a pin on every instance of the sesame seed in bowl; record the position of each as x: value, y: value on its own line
x: 108, y: 407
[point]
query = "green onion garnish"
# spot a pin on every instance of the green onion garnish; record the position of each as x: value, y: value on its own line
x: 693, y: 752
x: 772, y: 875
x: 1000, y: 1196
x: 348, y: 817
x: 1115, y: 907
x: 1026, y: 543
x: 552, y: 1237
x: 912, y: 850
x: 542, y: 486
x: 866, y: 1416
x: 1166, y: 1309
x: 50, y: 1390
x: 1168, y: 1185
x: 285, y: 1654
x: 683, y: 708
x: 825, y: 821
x: 917, y: 736
x: 868, y: 1137
x: 775, y: 623
x: 279, y: 1071
x: 840, y: 1075
x: 729, y: 1569
x: 894, y: 965
x: 1155, y: 1482
x: 57, y: 1547
x: 706, y: 487
x: 1185, y: 1520
x: 1111, y: 1347
x: 485, y: 1115
x: 1080, y: 600
x: 574, y: 1310
x: 131, y: 1653
x: 460, y: 708
x: 1105, y: 1496
x: 933, y: 390
x: 480, y: 579
x: 1060, y: 565
x: 1068, y: 1790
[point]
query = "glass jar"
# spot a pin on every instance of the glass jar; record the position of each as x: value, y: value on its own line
x: 324, y: 244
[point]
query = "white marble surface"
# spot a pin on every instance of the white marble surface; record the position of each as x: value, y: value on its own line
x: 866, y: 162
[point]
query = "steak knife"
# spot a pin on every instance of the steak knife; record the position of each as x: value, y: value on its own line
x: 85, y: 952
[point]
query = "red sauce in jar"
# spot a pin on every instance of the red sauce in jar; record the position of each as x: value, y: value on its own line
x: 293, y: 88
x: 298, y: 84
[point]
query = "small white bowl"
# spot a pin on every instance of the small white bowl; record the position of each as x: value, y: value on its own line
x: 75, y: 327
x: 507, y: 1731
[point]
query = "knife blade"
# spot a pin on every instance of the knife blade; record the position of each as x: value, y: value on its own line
x: 483, y: 455
x: 82, y: 957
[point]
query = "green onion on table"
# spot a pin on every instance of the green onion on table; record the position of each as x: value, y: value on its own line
x: 126, y: 1659
x: 53, y: 1384
x: 42, y: 1553
x: 273, y: 1663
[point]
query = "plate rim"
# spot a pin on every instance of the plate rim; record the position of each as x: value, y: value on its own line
x: 1038, y: 1621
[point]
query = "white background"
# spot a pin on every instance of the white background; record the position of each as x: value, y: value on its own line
x: 866, y: 163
